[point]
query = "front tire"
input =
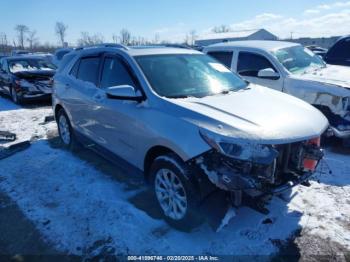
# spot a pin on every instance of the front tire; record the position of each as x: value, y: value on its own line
x: 174, y: 193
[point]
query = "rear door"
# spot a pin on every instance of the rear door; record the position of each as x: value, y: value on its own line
x: 80, y: 92
x: 248, y: 66
x: 224, y: 57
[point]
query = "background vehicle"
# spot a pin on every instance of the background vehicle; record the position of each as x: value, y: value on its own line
x: 292, y: 69
x: 317, y: 50
x: 26, y: 77
x: 339, y: 53
x: 58, y: 55
x: 189, y: 124
x: 19, y: 52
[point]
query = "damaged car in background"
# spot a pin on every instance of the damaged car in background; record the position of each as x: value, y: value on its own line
x: 192, y: 127
x: 295, y: 70
x: 26, y: 77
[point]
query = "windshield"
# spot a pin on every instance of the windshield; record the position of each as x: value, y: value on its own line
x: 298, y: 59
x: 184, y: 75
x: 20, y: 65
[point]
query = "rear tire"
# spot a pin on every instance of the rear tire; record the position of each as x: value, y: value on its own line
x: 65, y: 131
x: 174, y: 192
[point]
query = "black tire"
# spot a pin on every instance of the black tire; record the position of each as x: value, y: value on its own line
x: 73, y: 144
x: 346, y: 142
x: 14, y: 96
x: 192, y: 217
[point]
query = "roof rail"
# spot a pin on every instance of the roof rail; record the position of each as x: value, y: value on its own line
x: 103, y: 45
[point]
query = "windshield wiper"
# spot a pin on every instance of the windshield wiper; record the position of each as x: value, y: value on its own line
x: 178, y: 96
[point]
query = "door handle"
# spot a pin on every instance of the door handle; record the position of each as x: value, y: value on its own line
x: 98, y: 98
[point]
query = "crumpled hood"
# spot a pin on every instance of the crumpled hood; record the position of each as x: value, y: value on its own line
x: 257, y: 113
x: 332, y: 74
x: 35, y: 74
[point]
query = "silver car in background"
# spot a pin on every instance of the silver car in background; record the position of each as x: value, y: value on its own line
x: 294, y: 70
x: 187, y: 123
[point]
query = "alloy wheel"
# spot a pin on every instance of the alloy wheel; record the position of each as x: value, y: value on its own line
x: 171, y: 194
x: 64, y: 129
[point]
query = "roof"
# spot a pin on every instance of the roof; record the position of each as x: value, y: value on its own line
x: 140, y: 50
x: 256, y: 44
x: 234, y: 34
x: 160, y: 51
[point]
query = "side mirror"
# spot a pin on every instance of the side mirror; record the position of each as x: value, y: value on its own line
x: 268, y: 73
x: 124, y: 92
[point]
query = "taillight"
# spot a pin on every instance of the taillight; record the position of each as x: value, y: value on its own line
x: 18, y: 85
x: 314, y: 141
x: 309, y: 163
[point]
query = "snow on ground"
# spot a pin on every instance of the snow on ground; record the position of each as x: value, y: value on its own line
x: 27, y: 123
x: 81, y: 209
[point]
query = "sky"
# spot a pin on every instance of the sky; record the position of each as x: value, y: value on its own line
x: 173, y: 19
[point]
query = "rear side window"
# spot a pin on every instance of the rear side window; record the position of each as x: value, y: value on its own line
x: 88, y: 69
x: 115, y: 73
x: 74, y: 70
x: 223, y: 57
x: 250, y: 64
x: 60, y: 54
x: 65, y: 61
x: 341, y: 50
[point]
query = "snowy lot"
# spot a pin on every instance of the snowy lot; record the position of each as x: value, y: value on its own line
x: 83, y: 205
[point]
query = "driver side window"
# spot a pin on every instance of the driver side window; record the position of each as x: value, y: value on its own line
x: 250, y: 64
x: 115, y: 73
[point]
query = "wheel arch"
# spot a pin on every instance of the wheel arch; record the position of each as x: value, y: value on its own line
x: 152, y: 154
x: 58, y: 107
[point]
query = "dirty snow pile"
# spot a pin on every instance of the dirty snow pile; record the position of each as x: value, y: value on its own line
x: 27, y: 123
x: 82, y: 210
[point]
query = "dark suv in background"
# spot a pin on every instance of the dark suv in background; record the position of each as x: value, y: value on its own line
x: 26, y: 77
x: 339, y: 53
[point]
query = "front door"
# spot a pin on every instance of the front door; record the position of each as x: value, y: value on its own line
x: 248, y: 66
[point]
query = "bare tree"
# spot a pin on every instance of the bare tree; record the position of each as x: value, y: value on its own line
x: 87, y: 39
x: 32, y: 39
x: 125, y: 36
x: 60, y: 30
x: 221, y: 29
x: 115, y: 38
x: 193, y: 37
x: 21, y: 31
x: 4, y: 45
x: 156, y: 38
x: 186, y: 39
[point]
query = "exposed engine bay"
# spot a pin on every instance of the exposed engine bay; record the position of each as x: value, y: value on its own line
x: 294, y: 163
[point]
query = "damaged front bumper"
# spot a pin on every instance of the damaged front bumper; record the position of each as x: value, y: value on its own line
x: 292, y: 183
x: 36, y: 96
x: 294, y: 164
x: 34, y: 89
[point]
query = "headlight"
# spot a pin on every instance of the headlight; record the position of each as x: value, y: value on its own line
x: 240, y: 149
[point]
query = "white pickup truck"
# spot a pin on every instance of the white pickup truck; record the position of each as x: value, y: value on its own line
x: 295, y: 70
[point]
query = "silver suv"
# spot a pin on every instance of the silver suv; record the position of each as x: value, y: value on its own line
x: 190, y: 125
